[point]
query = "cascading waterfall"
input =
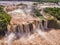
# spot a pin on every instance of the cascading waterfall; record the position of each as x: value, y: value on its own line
x: 25, y: 31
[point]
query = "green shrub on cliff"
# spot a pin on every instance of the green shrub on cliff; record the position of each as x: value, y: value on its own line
x: 37, y: 12
x: 54, y: 12
x: 4, y: 20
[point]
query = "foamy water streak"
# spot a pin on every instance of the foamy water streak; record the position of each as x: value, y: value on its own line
x: 10, y: 38
x: 44, y: 35
x: 41, y: 33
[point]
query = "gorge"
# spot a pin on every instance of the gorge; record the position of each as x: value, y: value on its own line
x: 23, y: 25
x: 25, y: 28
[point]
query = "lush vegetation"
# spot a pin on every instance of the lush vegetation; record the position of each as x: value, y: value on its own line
x: 4, y: 20
x: 54, y: 12
x: 55, y: 1
x: 52, y: 15
x: 37, y: 12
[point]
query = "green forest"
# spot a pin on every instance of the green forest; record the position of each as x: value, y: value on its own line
x: 4, y: 20
x: 46, y: 0
x: 34, y: 0
x: 54, y: 12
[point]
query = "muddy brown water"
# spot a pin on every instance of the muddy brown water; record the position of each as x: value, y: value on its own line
x: 52, y: 38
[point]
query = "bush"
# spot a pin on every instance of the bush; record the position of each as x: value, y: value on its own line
x: 54, y: 1
x: 37, y: 12
x: 4, y: 20
x: 53, y: 11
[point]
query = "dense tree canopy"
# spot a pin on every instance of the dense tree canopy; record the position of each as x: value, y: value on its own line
x: 34, y: 0
x: 54, y: 12
x: 37, y: 12
x: 4, y: 20
x: 47, y: 1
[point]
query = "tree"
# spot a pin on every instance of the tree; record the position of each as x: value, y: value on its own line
x: 37, y: 12
x: 54, y: 1
x: 53, y: 11
x: 4, y: 20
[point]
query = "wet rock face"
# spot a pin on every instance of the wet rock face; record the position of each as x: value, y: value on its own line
x: 23, y: 28
x: 31, y: 27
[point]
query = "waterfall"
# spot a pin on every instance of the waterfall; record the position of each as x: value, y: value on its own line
x: 19, y: 31
x: 27, y: 28
x: 10, y: 38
